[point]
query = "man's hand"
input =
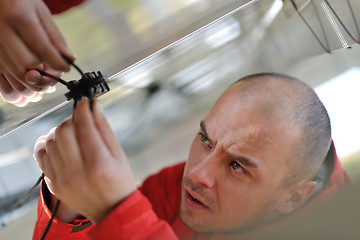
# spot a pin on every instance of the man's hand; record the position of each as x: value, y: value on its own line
x: 84, y: 165
x: 29, y: 39
x: 15, y: 92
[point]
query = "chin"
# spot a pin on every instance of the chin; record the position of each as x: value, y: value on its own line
x: 190, y: 221
x: 194, y: 225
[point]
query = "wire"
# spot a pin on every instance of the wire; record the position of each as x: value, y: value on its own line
x: 51, y: 219
x: 342, y: 24
x: 310, y: 28
x: 52, y: 76
x: 69, y: 61
x: 327, y: 49
x: 20, y: 201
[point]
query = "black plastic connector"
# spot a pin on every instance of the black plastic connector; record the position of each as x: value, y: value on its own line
x: 91, y: 85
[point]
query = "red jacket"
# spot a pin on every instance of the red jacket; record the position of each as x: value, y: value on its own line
x: 59, y: 6
x: 149, y: 213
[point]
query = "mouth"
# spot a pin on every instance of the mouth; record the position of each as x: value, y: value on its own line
x: 192, y: 201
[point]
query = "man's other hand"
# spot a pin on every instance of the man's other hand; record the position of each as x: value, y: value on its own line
x: 84, y: 165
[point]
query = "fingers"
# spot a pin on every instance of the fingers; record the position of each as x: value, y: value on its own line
x: 68, y: 149
x: 18, y: 86
x: 105, y: 130
x: 39, y: 151
x: 15, y: 48
x: 7, y: 91
x: 15, y: 93
x: 29, y: 37
x: 35, y: 79
x: 20, y: 94
x: 26, y: 40
x: 89, y: 139
x: 48, y: 169
x: 53, y: 32
x: 39, y: 148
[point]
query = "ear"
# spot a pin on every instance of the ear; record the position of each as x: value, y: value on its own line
x: 295, y: 196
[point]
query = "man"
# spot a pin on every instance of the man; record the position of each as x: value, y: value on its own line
x: 251, y: 164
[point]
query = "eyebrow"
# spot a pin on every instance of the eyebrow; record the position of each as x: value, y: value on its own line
x: 247, y: 162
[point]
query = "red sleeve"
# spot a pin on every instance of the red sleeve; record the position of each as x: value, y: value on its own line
x: 133, y: 219
x: 137, y: 217
x: 58, y: 6
x: 163, y: 190
x: 58, y: 229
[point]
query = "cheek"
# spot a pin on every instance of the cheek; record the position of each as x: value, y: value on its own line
x: 241, y: 204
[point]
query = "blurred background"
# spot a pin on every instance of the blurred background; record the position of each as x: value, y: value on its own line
x: 168, y: 61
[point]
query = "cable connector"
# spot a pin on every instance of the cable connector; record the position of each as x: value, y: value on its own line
x: 91, y: 85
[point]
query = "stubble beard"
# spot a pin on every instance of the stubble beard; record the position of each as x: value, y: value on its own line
x: 262, y: 217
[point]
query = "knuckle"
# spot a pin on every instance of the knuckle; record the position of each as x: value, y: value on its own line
x: 101, y: 173
x: 49, y: 144
x: 15, y: 12
x: 39, y: 155
x: 18, y: 13
x: 61, y: 128
x: 29, y: 61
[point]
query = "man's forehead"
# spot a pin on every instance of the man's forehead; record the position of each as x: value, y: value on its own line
x: 246, y: 124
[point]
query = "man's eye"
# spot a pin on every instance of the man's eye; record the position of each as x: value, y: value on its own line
x: 237, y: 167
x: 205, y: 140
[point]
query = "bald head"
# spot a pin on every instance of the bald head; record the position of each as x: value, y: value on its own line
x: 295, y: 106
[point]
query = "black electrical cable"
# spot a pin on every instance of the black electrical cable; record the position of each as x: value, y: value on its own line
x: 69, y: 61
x: 45, y: 74
x: 56, y: 207
x: 20, y: 201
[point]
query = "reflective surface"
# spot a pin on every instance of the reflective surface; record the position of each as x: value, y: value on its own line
x: 155, y: 106
x: 111, y: 36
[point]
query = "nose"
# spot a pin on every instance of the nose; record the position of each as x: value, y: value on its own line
x: 204, y: 172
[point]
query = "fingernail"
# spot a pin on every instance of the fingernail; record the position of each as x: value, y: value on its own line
x: 34, y: 78
x: 70, y: 54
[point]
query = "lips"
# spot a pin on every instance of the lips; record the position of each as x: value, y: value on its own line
x: 193, y: 201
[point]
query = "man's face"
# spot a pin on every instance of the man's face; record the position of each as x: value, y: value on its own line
x: 237, y: 161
